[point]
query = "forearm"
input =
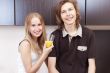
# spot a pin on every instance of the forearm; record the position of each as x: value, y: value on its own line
x: 53, y: 70
x: 92, y: 67
x: 91, y: 70
x: 35, y: 67
x: 52, y: 65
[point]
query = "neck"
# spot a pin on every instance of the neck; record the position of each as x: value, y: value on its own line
x: 70, y: 28
x: 34, y: 39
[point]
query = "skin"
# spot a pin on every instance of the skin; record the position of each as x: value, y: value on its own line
x: 35, y: 28
x: 68, y: 15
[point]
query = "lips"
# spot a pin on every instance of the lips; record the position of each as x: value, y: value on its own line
x: 37, y: 32
x: 69, y: 18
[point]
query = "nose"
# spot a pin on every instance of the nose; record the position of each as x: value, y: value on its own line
x: 37, y: 28
x: 67, y: 13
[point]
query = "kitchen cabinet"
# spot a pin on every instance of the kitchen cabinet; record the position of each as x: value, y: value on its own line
x: 6, y: 12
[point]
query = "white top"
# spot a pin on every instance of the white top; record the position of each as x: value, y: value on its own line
x: 21, y: 69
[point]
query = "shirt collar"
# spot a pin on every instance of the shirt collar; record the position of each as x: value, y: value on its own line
x: 78, y: 32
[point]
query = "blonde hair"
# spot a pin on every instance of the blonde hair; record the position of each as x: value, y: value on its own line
x: 41, y: 40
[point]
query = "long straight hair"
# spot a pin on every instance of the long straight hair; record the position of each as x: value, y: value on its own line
x: 41, y: 39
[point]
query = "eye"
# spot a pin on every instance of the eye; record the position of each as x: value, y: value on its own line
x: 70, y: 9
x: 39, y: 24
x: 33, y: 25
x: 63, y: 11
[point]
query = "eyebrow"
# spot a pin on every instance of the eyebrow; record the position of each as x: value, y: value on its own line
x: 68, y: 8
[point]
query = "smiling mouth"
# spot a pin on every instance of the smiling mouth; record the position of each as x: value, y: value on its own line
x: 37, y: 32
x: 69, y: 18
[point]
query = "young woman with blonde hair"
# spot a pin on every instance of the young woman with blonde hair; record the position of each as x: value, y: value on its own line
x: 32, y: 49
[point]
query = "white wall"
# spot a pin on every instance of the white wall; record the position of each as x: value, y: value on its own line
x: 10, y: 36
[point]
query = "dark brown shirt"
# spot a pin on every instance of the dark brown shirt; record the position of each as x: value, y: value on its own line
x: 73, y: 57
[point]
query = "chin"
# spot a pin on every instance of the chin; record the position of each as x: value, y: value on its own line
x: 38, y: 36
x: 70, y: 23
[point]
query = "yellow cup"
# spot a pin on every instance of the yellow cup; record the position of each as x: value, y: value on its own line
x: 48, y: 43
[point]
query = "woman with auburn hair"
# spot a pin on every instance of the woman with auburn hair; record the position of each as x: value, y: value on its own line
x: 73, y: 50
x: 32, y: 49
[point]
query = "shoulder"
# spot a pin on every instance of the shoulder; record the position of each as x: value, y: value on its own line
x: 24, y: 45
x: 24, y: 42
x: 57, y: 32
x: 87, y: 31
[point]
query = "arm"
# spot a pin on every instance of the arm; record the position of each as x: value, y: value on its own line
x: 91, y: 67
x: 92, y: 54
x: 26, y: 57
x: 52, y: 65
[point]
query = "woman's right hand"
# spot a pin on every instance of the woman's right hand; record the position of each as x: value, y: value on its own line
x: 46, y: 50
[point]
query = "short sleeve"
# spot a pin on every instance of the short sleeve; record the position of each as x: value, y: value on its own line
x: 56, y: 42
x: 91, y: 46
x: 53, y: 52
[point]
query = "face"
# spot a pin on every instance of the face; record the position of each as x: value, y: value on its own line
x: 36, y: 27
x: 68, y: 13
